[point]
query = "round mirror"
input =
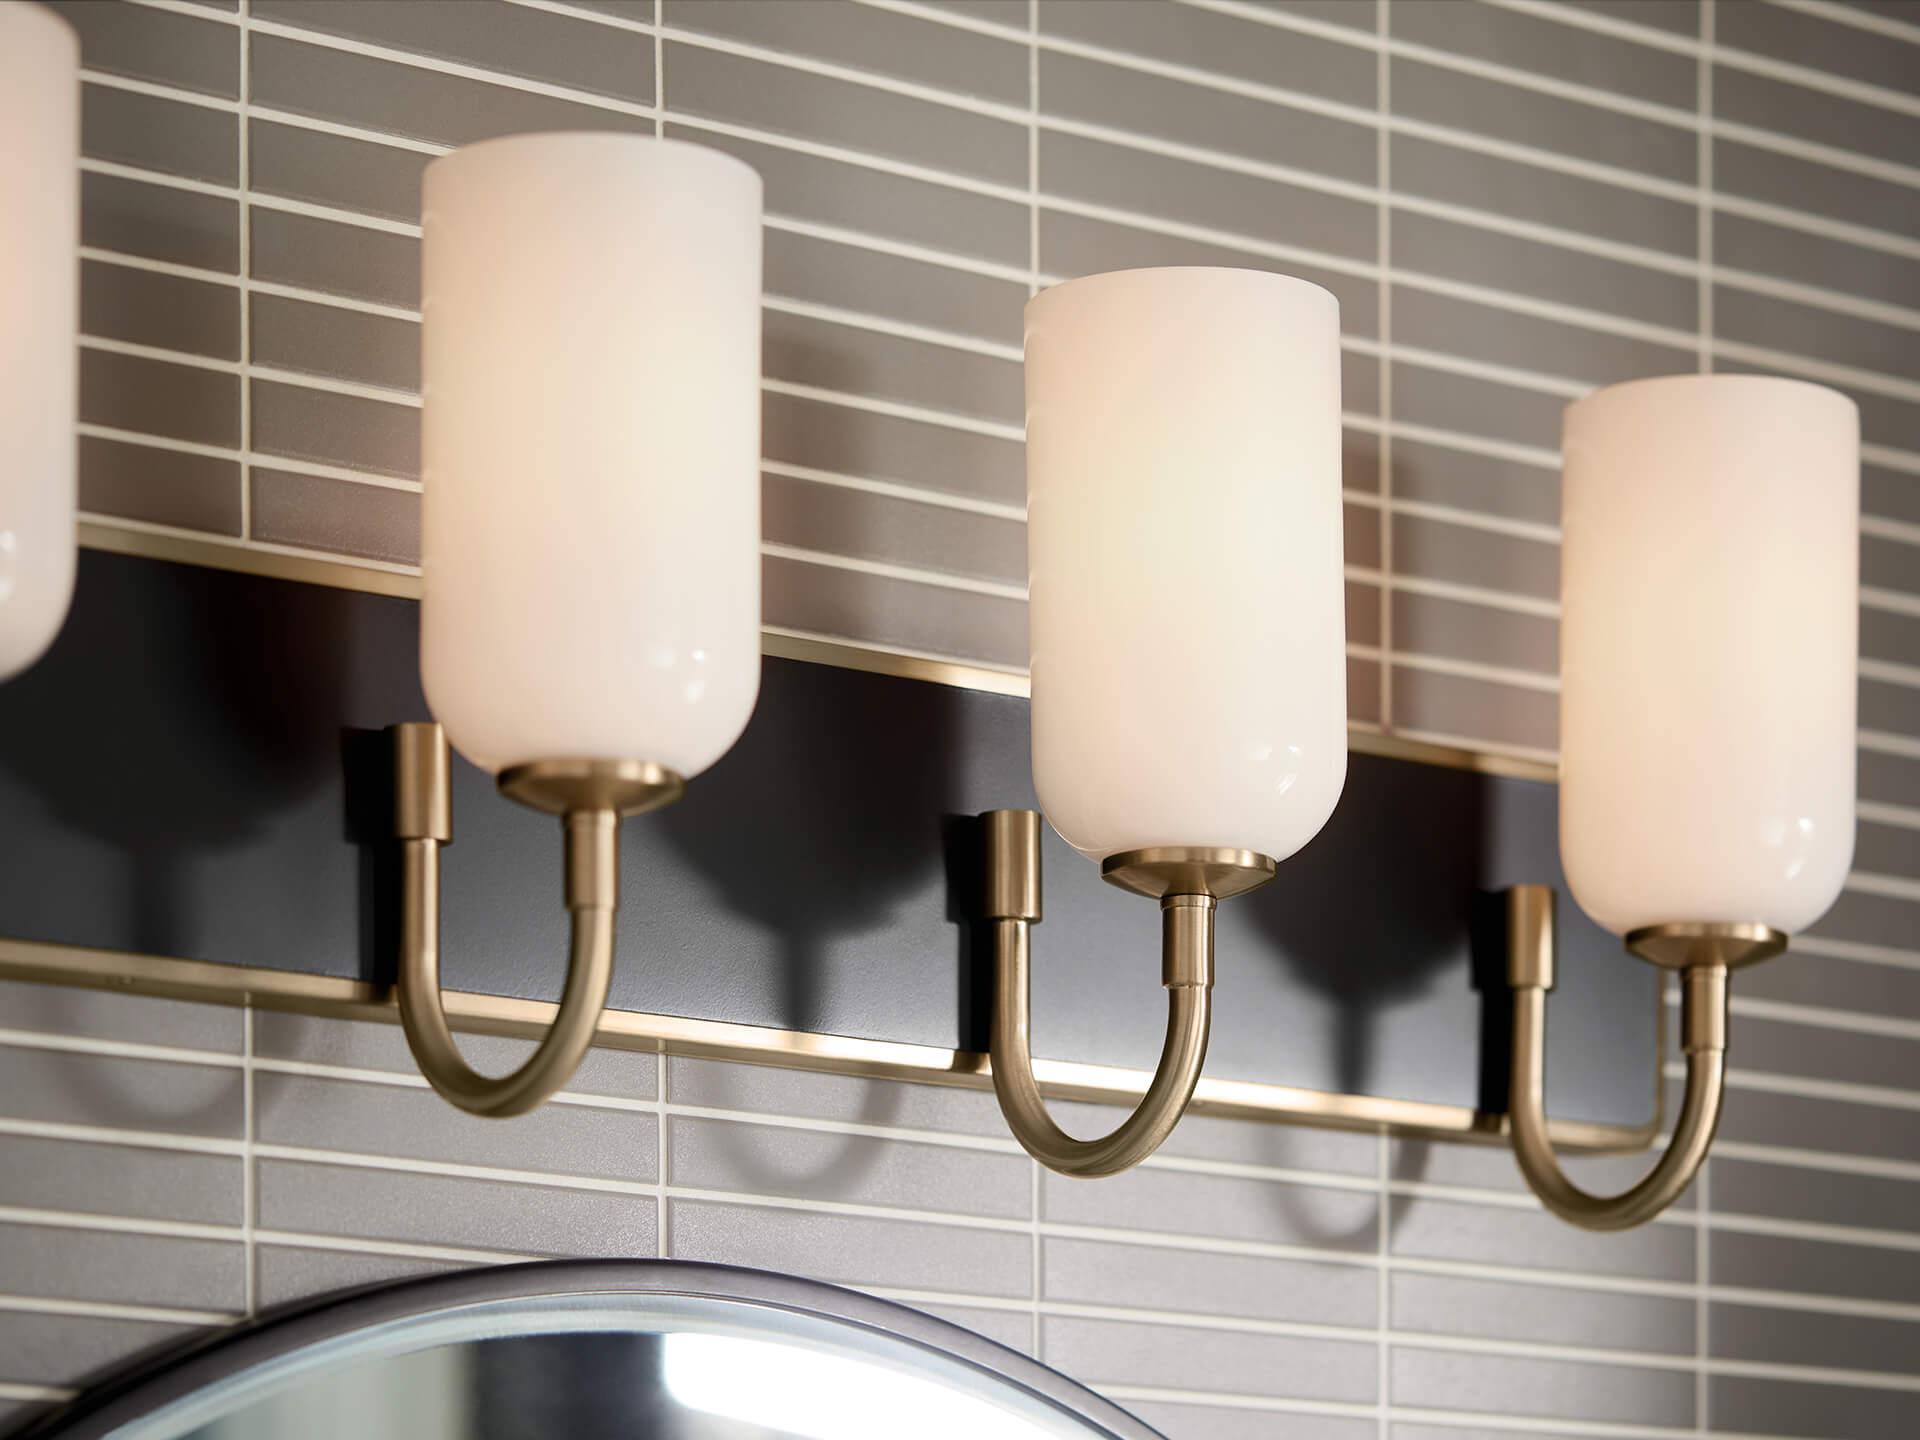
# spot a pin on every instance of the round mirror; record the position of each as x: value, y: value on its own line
x: 642, y: 1350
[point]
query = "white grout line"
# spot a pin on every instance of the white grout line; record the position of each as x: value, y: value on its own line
x: 52, y: 1394
x: 113, y: 1310
x: 1908, y: 31
x: 249, y: 1185
x: 662, y: 1234
x: 1383, y: 247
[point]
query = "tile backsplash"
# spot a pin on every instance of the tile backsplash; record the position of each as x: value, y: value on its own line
x: 166, y: 1169
x: 1514, y: 200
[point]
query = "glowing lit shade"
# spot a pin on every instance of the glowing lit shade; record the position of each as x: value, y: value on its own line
x: 815, y: 1394
x: 591, y: 449
x: 39, y: 326
x: 1184, y: 547
x: 1709, y: 643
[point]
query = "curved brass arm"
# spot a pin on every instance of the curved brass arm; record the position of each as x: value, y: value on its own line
x: 1703, y: 954
x: 590, y: 801
x: 1186, y: 967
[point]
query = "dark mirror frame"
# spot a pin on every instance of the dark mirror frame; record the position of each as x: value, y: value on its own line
x: 173, y: 1375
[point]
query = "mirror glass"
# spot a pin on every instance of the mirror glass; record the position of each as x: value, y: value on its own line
x: 640, y: 1366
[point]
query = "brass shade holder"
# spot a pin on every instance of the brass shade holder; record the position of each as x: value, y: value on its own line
x: 1704, y: 954
x: 590, y: 797
x: 1188, y: 883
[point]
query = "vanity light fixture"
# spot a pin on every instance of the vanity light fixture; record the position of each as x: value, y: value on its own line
x: 39, y: 327
x: 590, y: 549
x: 1709, y: 644
x: 1187, y: 635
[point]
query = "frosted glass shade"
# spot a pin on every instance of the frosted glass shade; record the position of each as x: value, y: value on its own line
x: 1709, y: 650
x: 1187, y: 605
x: 39, y: 327
x: 591, y: 448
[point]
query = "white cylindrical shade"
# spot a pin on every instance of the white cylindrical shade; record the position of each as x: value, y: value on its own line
x: 39, y: 326
x: 1187, y: 607
x: 591, y: 448
x: 1709, y: 650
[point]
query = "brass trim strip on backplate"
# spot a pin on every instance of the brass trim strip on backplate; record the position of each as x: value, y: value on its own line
x: 785, y: 644
x: 336, y: 998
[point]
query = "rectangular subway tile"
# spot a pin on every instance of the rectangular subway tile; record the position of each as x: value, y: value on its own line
x: 371, y: 1045
x: 104, y: 1015
x: 1748, y: 318
x: 1889, y: 494
x: 284, y: 1273
x: 1226, y: 1207
x: 1215, y: 1137
x: 334, y: 429
x: 1778, y: 1047
x: 1546, y: 47
x: 1505, y: 1235
x: 1887, y: 705
x: 1474, y: 710
x: 1813, y: 1267
x: 854, y: 1099
x: 895, y: 46
x: 1170, y: 1357
x: 167, y: 312
x: 406, y: 1122
x: 1218, y: 44
x: 341, y: 344
x: 321, y: 512
x: 1893, y: 779
x: 181, y: 227
x: 165, y: 1097
x: 1843, y: 124
x: 880, y: 610
x: 1487, y: 409
x: 1513, y: 113
x: 1453, y: 175
x: 871, y: 201
x: 75, y: 1349
x: 1362, y: 613
x: 1073, y: 245
x: 1767, y: 1335
x: 1757, y: 1405
x: 1757, y: 1117
x: 1780, y: 251
x: 915, y: 292
x: 1089, y: 1272
x: 335, y: 259
x: 824, y: 355
x: 1435, y: 473
x: 1815, y: 42
x: 1888, y: 564
x: 47, y: 1262
x: 1870, y: 919
x: 854, y: 1249
x: 1891, y: 635
x: 128, y: 127
x: 1089, y: 92
x: 409, y: 101
x: 161, y: 46
x: 837, y: 521
x: 1541, y: 1314
x: 1231, y: 201
x: 536, y: 44
x: 1433, y: 549
x: 1461, y: 630
x: 846, y: 1169
x: 352, y: 1202
x: 1862, y: 986
x: 830, y: 111
x: 156, y: 397
x: 1363, y: 691
x: 1425, y: 320
x: 1542, y: 1389
x: 1011, y: 1328
x: 1450, y: 250
x: 79, y: 1177
x: 1808, y: 187
x: 334, y: 170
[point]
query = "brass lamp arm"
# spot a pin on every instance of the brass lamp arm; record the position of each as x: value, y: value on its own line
x: 1703, y: 954
x: 590, y: 797
x: 1188, y: 884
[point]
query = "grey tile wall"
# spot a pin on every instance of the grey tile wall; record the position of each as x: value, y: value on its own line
x: 1512, y: 201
